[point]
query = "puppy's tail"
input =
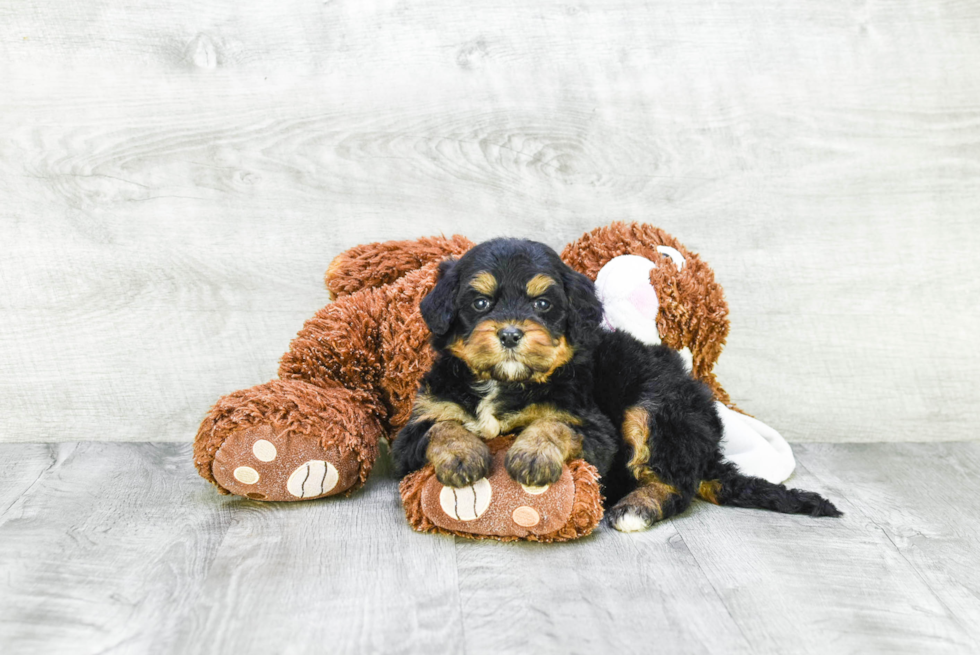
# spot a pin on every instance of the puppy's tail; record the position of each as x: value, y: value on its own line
x: 724, y: 485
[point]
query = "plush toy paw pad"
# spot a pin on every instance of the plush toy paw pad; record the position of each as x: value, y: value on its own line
x: 267, y: 464
x: 312, y: 479
x: 526, y: 517
x: 264, y: 450
x: 466, y: 503
x: 246, y: 475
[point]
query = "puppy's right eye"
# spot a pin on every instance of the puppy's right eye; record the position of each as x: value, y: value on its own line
x: 481, y: 304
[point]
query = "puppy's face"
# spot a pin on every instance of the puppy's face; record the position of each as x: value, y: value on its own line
x: 512, y: 311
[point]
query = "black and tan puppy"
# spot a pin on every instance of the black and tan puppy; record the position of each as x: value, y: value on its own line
x: 520, y: 349
x: 514, y: 329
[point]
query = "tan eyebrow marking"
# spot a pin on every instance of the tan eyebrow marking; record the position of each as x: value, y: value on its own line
x: 485, y: 283
x: 539, y: 284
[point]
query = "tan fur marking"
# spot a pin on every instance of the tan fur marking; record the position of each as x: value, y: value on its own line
x: 485, y: 283
x: 487, y: 423
x: 534, y: 414
x: 428, y: 408
x: 636, y: 431
x: 651, y: 496
x: 559, y: 356
x: 539, y: 284
x: 708, y: 490
x: 536, y: 358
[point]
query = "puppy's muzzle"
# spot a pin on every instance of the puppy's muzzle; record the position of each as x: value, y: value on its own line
x: 510, y: 336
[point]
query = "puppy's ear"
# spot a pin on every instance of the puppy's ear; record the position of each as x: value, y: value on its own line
x: 439, y: 306
x: 584, y: 309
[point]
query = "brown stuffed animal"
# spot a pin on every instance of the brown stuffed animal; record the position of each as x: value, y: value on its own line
x: 351, y: 374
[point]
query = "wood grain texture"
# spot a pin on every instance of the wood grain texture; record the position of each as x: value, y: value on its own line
x: 174, y: 180
x: 795, y: 584
x: 105, y: 550
x: 344, y: 575
x: 611, y: 593
x: 121, y: 548
x: 925, y: 499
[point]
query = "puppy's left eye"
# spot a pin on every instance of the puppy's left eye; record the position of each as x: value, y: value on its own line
x: 481, y: 304
x: 542, y: 304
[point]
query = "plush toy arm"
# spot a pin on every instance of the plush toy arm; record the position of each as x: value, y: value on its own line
x: 375, y: 264
x: 374, y: 341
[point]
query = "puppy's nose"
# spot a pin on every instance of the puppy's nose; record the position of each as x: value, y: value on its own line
x: 510, y: 336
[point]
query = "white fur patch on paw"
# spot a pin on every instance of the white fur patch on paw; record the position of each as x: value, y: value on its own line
x: 263, y: 450
x: 314, y: 478
x: 246, y: 475
x: 631, y: 522
x: 466, y: 503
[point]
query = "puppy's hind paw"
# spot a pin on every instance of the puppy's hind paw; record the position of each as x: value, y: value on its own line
x: 627, y: 518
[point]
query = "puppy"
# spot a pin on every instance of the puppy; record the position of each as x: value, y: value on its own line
x: 514, y: 329
x: 519, y: 348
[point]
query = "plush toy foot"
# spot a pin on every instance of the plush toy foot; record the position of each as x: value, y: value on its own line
x: 263, y: 463
x: 287, y: 440
x: 497, y: 507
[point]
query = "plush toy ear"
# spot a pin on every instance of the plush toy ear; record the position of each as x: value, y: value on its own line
x: 438, y: 308
x: 584, y: 308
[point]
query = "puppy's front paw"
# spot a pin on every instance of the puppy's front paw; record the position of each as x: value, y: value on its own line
x: 534, y: 464
x: 462, y: 464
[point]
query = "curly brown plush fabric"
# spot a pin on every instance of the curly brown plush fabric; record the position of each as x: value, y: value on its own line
x: 693, y: 311
x: 377, y: 264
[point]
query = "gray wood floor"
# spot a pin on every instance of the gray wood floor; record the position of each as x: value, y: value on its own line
x: 121, y: 548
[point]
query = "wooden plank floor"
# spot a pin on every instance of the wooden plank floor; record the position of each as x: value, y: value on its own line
x: 121, y: 548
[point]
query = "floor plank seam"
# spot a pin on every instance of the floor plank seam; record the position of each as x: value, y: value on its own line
x: 459, y: 594
x: 714, y: 589
x: 30, y: 488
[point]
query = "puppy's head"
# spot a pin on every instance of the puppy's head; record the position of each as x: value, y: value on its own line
x: 512, y: 311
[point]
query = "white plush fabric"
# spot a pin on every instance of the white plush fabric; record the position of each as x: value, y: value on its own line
x: 630, y: 303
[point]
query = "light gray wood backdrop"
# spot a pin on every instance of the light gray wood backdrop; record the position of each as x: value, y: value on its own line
x: 175, y: 177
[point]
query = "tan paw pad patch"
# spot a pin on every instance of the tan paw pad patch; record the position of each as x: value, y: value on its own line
x: 313, y: 478
x: 246, y: 475
x: 466, y: 503
x: 526, y: 517
x: 263, y: 450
